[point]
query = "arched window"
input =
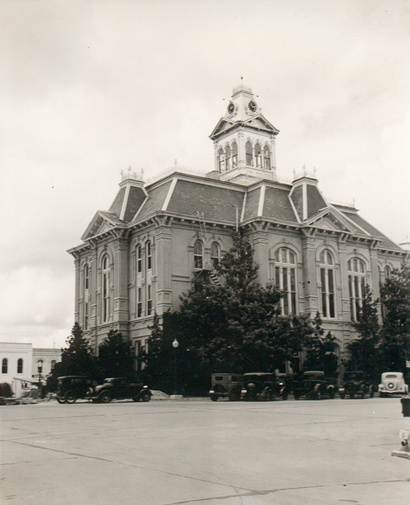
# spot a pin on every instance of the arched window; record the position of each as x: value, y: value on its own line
x: 4, y: 365
x: 249, y: 154
x: 285, y: 278
x: 40, y: 366
x: 86, y: 276
x: 106, y: 270
x: 387, y: 272
x: 221, y: 160
x: 86, y: 315
x: 139, y: 259
x: 20, y: 365
x: 198, y: 254
x: 266, y: 158
x: 228, y: 159
x: 149, y: 255
x: 149, y: 299
x: 52, y: 364
x: 234, y: 154
x: 327, y: 284
x: 258, y: 156
x: 357, y: 280
x: 215, y: 254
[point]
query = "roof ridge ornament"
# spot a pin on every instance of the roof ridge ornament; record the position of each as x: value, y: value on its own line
x: 133, y: 175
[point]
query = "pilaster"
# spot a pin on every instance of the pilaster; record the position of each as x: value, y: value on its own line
x: 309, y: 275
x: 120, y: 280
x: 163, y: 285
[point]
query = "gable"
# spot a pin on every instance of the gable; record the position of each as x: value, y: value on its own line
x: 221, y: 127
x: 331, y: 220
x: 101, y: 223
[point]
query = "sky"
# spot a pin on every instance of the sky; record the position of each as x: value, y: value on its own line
x: 91, y: 87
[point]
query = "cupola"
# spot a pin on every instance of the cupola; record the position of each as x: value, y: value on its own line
x: 244, y: 140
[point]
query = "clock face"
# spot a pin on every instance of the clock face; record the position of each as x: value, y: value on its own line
x: 252, y: 106
x: 231, y: 108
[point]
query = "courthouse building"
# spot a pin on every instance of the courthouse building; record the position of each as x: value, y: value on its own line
x: 137, y: 257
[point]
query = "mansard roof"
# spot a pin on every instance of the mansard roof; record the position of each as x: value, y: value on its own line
x: 194, y: 197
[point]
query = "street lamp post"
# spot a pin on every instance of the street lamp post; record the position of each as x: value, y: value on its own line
x: 175, y: 345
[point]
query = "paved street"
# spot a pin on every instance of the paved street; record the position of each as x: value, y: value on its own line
x: 199, y: 452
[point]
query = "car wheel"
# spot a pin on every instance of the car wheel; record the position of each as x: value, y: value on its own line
x: 332, y: 395
x: 60, y: 399
x: 70, y: 397
x: 214, y: 398
x: 105, y: 397
x: 284, y: 396
x: 296, y: 396
x: 318, y: 395
x: 145, y: 397
x: 371, y: 393
x: 342, y: 396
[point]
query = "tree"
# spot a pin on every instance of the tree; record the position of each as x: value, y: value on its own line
x: 114, y: 356
x: 363, y: 350
x: 395, y: 332
x: 320, y: 350
x: 233, y: 325
x: 77, y: 358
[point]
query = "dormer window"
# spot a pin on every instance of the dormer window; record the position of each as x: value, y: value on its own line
x: 266, y: 158
x: 249, y: 154
x: 221, y: 160
x: 258, y: 156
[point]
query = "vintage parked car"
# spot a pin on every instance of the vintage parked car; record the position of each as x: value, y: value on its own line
x: 119, y: 388
x: 72, y: 387
x: 225, y: 385
x: 356, y: 384
x: 392, y: 383
x: 313, y: 385
x: 263, y: 386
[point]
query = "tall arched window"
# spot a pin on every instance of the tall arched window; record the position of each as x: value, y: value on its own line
x: 4, y: 365
x: 234, y: 154
x: 20, y: 365
x: 285, y: 278
x: 228, y: 158
x: 215, y: 254
x: 139, y: 259
x: 266, y: 158
x: 106, y: 288
x: 357, y: 280
x: 387, y: 272
x: 198, y: 254
x: 52, y: 364
x: 86, y: 276
x: 249, y: 154
x: 258, y: 156
x: 149, y: 255
x: 221, y: 160
x: 327, y: 284
x: 40, y: 366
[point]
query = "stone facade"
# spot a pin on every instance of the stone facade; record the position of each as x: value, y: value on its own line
x: 138, y: 257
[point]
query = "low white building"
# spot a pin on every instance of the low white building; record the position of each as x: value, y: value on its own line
x: 21, y: 364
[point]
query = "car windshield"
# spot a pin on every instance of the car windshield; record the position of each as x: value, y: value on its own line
x: 392, y: 376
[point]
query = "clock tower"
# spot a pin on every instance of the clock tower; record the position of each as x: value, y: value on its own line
x: 244, y: 141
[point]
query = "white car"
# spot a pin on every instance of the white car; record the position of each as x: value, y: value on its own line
x: 392, y: 383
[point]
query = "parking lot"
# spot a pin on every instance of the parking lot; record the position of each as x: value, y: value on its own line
x: 201, y: 452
